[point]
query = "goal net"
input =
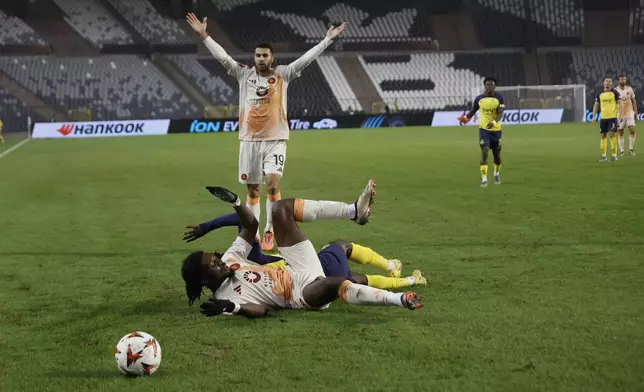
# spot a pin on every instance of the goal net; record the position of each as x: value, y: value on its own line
x: 570, y: 98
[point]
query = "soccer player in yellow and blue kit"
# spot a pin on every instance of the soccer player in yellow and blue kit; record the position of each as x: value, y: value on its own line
x: 607, y: 103
x: 491, y: 106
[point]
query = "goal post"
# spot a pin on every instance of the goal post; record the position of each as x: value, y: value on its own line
x: 570, y: 98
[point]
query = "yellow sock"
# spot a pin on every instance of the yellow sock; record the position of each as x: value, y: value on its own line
x: 484, y: 171
x: 603, y: 144
x: 497, y: 168
x: 363, y: 255
x: 613, y: 145
x: 280, y: 265
x: 385, y: 282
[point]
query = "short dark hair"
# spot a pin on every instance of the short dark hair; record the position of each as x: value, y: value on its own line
x: 191, y: 272
x: 621, y: 76
x: 490, y: 79
x: 265, y: 46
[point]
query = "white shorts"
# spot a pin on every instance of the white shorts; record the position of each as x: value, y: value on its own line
x: 626, y: 122
x: 304, y: 266
x: 258, y: 158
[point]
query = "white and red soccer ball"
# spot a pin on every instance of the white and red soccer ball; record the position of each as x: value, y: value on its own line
x: 138, y: 354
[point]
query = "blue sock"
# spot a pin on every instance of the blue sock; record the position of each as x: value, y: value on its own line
x: 222, y: 221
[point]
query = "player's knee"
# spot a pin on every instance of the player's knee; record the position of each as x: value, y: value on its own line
x: 346, y: 246
x: 253, y: 190
x: 283, y: 210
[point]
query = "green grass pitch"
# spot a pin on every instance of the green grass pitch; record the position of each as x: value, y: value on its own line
x: 536, y: 284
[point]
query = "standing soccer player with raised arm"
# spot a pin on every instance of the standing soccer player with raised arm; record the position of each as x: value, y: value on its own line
x: 491, y: 106
x: 606, y: 103
x: 627, y: 115
x: 263, y: 125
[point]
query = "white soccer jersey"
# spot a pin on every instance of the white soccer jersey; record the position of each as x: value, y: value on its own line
x: 255, y: 284
x: 626, y: 96
x: 262, y: 100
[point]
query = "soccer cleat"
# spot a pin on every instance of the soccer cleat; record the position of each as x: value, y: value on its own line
x: 267, y: 244
x: 484, y: 184
x: 497, y: 179
x: 397, y: 271
x: 223, y: 194
x: 420, y: 279
x: 603, y: 159
x: 631, y: 152
x: 412, y: 301
x: 613, y: 158
x: 621, y: 153
x: 363, y: 204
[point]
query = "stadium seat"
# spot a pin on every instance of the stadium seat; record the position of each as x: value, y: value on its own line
x: 339, y: 84
x: 146, y: 20
x: 114, y: 87
x: 219, y: 91
x: 13, y: 31
x: 636, y: 18
x: 14, y: 113
x: 432, y: 81
x: 93, y: 22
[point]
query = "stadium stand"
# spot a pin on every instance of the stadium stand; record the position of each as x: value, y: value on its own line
x: 13, y: 31
x: 636, y: 22
x: 220, y: 91
x: 146, y: 20
x: 14, y: 113
x: 438, y: 80
x: 300, y: 23
x: 554, y: 22
x: 227, y: 5
x: 114, y: 87
x: 89, y: 19
x: 339, y: 84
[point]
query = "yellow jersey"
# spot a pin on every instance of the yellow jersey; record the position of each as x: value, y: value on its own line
x: 608, y: 103
x: 489, y: 105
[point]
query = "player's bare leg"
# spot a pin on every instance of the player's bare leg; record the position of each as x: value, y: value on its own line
x: 484, y: 154
x: 496, y: 153
x: 253, y: 201
x: 620, y: 141
x: 631, y: 139
x: 272, y: 195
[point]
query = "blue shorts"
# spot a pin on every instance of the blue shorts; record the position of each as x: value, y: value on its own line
x: 491, y: 139
x: 334, y: 261
x: 609, y: 125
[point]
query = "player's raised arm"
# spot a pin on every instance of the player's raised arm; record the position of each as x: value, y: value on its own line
x: 464, y: 119
x: 217, y: 51
x: 307, y: 58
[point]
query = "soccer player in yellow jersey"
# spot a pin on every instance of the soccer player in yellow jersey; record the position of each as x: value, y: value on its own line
x: 627, y: 115
x: 606, y: 103
x: 491, y: 106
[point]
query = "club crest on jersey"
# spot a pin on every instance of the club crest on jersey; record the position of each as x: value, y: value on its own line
x: 271, y: 80
x: 244, y: 176
x: 235, y: 267
x: 252, y: 276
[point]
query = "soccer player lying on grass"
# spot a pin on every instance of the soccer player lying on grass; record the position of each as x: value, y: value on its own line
x: 334, y: 257
x: 251, y: 291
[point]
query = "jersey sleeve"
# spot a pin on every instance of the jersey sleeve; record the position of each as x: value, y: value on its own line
x: 294, y: 69
x: 233, y: 67
x: 501, y: 101
x: 616, y: 93
x: 239, y: 250
x: 597, y: 98
x: 288, y: 73
x: 475, y: 105
x: 632, y: 93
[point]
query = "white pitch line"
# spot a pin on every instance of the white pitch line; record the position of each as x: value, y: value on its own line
x: 5, y: 153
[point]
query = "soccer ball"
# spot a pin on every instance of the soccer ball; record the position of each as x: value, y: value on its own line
x: 138, y: 354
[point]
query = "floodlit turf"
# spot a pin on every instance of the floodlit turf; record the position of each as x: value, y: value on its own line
x: 536, y: 284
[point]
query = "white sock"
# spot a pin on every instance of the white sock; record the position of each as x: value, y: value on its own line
x: 357, y: 294
x: 269, y: 212
x: 391, y: 266
x: 412, y: 280
x: 255, y: 207
x: 309, y: 210
x: 620, y: 140
x: 631, y: 138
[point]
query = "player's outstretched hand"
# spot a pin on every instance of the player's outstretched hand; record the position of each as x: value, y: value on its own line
x: 224, y: 194
x: 215, y: 307
x: 335, y: 31
x: 194, y: 233
x: 197, y: 26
